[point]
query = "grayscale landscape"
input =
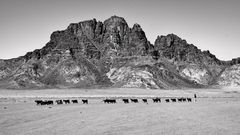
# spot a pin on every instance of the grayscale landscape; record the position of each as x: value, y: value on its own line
x: 137, y: 68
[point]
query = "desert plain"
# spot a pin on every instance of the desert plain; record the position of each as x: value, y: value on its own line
x: 214, y: 112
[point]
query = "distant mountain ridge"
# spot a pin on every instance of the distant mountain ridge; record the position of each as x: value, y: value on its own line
x: 93, y: 54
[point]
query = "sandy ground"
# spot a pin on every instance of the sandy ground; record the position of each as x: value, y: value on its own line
x: 216, y: 112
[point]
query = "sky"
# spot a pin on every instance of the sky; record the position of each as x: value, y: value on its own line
x: 214, y: 25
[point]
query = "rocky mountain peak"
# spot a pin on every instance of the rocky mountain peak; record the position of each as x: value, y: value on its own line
x: 114, y: 21
x: 86, y: 28
x: 172, y: 46
x: 169, y: 40
x: 117, y: 24
x: 92, y: 53
x: 137, y: 27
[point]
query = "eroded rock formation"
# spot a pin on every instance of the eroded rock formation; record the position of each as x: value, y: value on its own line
x: 97, y: 54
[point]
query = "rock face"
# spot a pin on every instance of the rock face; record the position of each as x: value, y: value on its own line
x: 96, y: 54
x: 230, y: 77
x: 191, y: 62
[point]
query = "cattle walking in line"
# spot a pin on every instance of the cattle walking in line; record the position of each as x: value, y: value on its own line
x: 66, y: 101
x: 84, y: 101
x: 44, y: 102
x: 134, y: 100
x: 174, y: 100
x: 144, y: 100
x: 47, y: 102
x: 189, y: 99
x: 50, y: 102
x: 59, y: 102
x: 156, y: 100
x: 184, y: 99
x: 110, y: 101
x: 74, y: 101
x: 126, y: 101
x: 180, y: 100
x: 167, y: 100
x: 38, y: 102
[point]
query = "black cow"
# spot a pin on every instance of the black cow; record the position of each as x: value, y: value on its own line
x: 59, y: 102
x: 110, y: 101
x: 180, y: 99
x: 144, y: 100
x: 134, y: 100
x: 84, y: 101
x: 184, y: 99
x: 174, y: 100
x: 47, y: 102
x: 38, y: 102
x: 44, y: 102
x: 189, y: 99
x: 50, y: 102
x: 156, y: 100
x: 167, y: 100
x: 126, y: 101
x: 75, y: 101
x: 66, y: 101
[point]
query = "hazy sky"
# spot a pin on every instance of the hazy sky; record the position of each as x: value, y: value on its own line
x: 212, y: 25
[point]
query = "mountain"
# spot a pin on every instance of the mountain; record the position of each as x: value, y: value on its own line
x: 93, y: 54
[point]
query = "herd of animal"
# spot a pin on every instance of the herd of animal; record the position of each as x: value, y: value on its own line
x: 59, y: 102
x: 113, y: 101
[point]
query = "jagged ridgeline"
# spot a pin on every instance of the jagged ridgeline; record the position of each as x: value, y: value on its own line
x: 94, y: 54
